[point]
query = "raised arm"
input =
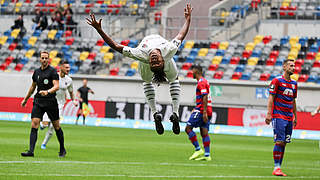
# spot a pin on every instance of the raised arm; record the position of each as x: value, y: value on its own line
x: 97, y: 25
x: 185, y: 28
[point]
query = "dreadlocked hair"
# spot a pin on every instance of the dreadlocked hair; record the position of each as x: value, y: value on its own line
x: 159, y: 76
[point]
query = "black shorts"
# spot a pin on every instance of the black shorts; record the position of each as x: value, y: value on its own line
x: 49, y: 106
x: 80, y: 104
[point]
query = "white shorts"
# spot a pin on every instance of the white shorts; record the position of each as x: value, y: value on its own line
x: 46, y: 118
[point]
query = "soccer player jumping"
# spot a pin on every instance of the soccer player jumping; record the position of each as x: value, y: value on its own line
x: 200, y: 117
x: 282, y: 112
x: 156, y: 65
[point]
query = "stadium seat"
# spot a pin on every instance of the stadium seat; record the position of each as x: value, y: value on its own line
x: 186, y: 66
x: 213, y: 67
x: 189, y: 44
x: 12, y: 46
x: 284, y: 40
x: 303, y: 78
x: 107, y: 57
x: 311, y: 55
x: 84, y: 55
x: 53, y: 54
x: 224, y: 45
x: 131, y: 72
x: 52, y: 34
x: 274, y: 54
x: 114, y: 71
x: 125, y: 42
x: 253, y: 61
x: 239, y: 68
x: 214, y: 45
x: 246, y: 76
x: 314, y: 48
x: 246, y: 54
x: 256, y: 53
x: 264, y: 76
x: 250, y: 46
x: 3, y: 39
x: 257, y: 39
x: 92, y: 56
x: 266, y: 39
x: 189, y: 74
x: 104, y: 49
x: 100, y: 42
x: 297, y: 69
x: 236, y: 76
x: 220, y: 52
x: 216, y: 60
x: 218, y: 75
x: 134, y: 65
x: 234, y: 60
x: 316, y: 64
x: 225, y: 60
x: 271, y: 62
x: 32, y: 40
x: 69, y: 41
x: 203, y: 52
x: 293, y: 55
x: 15, y: 33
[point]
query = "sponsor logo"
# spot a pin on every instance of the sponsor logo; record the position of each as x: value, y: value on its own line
x: 288, y: 92
x: 272, y: 87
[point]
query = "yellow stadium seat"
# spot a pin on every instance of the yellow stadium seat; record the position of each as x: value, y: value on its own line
x: 104, y: 49
x: 203, y: 52
x: 18, y: 4
x: 135, y: 65
x: 296, y: 47
x: 108, y: 2
x: 55, y: 61
x: 293, y: 40
x: 108, y: 55
x: 107, y: 61
x: 286, y: 3
x: 253, y: 61
x: 216, y: 60
x: 32, y: 40
x: 2, y: 1
x: 318, y: 57
x: 224, y: 45
x: 52, y: 34
x: 293, y: 55
x: 123, y: 2
x: 53, y: 54
x: 15, y: 33
x: 223, y: 15
x: 134, y: 8
x: 294, y: 77
x: 84, y: 55
x: 29, y: 53
x: 258, y: 39
x: 250, y: 46
x: 189, y: 44
x: 3, y: 39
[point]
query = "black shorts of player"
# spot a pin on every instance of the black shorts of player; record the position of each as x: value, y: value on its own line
x: 49, y: 106
x: 80, y: 104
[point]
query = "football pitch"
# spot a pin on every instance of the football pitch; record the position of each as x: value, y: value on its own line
x: 119, y: 153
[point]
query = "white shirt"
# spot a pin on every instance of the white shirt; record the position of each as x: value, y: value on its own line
x: 65, y: 84
x: 141, y: 53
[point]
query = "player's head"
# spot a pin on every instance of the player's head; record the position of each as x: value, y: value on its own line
x: 44, y: 58
x: 288, y: 66
x: 64, y: 67
x: 197, y: 71
x: 156, y: 61
x: 85, y: 82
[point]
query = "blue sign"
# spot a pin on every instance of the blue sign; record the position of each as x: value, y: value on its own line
x: 262, y: 93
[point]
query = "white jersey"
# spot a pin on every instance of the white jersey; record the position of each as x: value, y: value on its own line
x: 141, y: 53
x: 65, y: 84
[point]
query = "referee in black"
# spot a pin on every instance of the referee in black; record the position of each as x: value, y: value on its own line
x: 46, y: 79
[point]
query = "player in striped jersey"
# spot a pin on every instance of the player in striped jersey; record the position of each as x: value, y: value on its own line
x: 65, y: 84
x: 282, y: 112
x: 156, y: 64
x: 200, y: 116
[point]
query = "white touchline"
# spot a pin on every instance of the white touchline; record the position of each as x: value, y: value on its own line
x: 145, y: 163
x: 129, y: 176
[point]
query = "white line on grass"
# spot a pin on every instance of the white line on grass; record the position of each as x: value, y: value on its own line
x: 129, y: 176
x: 145, y: 163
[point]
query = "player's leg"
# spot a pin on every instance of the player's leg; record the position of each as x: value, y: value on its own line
x: 36, y: 116
x: 204, y: 130
x: 84, y: 116
x: 79, y: 112
x: 45, y: 122
x: 54, y: 117
x: 48, y: 136
x: 175, y: 97
x: 279, y: 146
x: 192, y: 122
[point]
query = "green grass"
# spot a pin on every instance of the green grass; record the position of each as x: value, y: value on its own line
x: 115, y: 153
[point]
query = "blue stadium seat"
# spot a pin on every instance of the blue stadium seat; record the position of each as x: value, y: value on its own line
x: 59, y: 34
x: 133, y: 43
x: 318, y: 9
x: 175, y: 58
x: 279, y: 62
x: 246, y: 76
x: 303, y: 40
x: 67, y: 55
x: 26, y: 46
x: 235, y: 8
x: 256, y: 53
x: 272, y: 76
x: 225, y: 60
x: 131, y: 72
x: 182, y: 45
x: 71, y: 1
x: 194, y: 52
x: 24, y: 60
x: 74, y: 69
x: 314, y: 48
x: 85, y: 1
x: 243, y: 10
x: 71, y: 62
x: 7, y: 33
x: 25, y: 40
x: 312, y: 78
x: 190, y: 59
x: 220, y: 52
x: 10, y: 39
x: 240, y: 68
x: 36, y: 33
x: 284, y: 40
x: 65, y: 48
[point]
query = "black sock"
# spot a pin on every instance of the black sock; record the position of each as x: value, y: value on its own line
x: 60, y: 137
x: 84, y: 119
x: 33, y: 139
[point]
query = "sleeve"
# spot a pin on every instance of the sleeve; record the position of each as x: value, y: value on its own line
x: 34, y: 76
x: 135, y: 53
x: 273, y: 87
x: 171, y: 48
x: 296, y: 91
x: 203, y: 89
x: 54, y: 75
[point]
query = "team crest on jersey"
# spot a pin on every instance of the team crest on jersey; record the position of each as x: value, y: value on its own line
x: 45, y: 81
x: 144, y: 46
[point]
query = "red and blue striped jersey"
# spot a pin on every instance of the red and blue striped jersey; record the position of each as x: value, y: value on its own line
x: 285, y: 92
x: 203, y: 88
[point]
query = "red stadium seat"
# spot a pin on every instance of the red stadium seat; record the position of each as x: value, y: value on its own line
x: 125, y: 42
x: 297, y: 69
x: 299, y: 62
x: 316, y: 64
x: 152, y: 3
x: 271, y: 62
x: 100, y: 42
x: 236, y: 75
x: 218, y: 75
x: 68, y: 33
x: 311, y: 55
x: 3, y: 66
x: 89, y: 5
x: 114, y: 71
x: 39, y: 5
x: 292, y: 9
x: 267, y: 39
x: 246, y: 54
x: 283, y: 10
x: 303, y: 78
x: 69, y: 41
x: 214, y: 45
x: 264, y: 76
x: 190, y: 74
x: 213, y: 67
x: 12, y: 46
x: 100, y: 1
x: 28, y: 1
x: 186, y: 66
x: 9, y: 60
x: 234, y: 60
x: 18, y: 67
x: 92, y: 56
x: 274, y: 54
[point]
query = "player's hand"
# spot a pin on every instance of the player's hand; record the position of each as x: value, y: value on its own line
x: 23, y: 103
x: 75, y: 103
x: 295, y: 122
x: 43, y: 93
x: 187, y: 11
x: 268, y: 119
x: 80, y: 99
x: 92, y: 22
x: 205, y: 118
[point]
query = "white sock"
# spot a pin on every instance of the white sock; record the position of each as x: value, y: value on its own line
x: 175, y: 95
x: 48, y: 134
x: 149, y: 92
